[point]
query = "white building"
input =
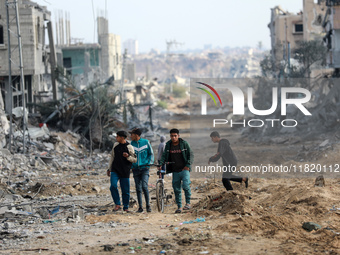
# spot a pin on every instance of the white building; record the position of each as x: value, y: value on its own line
x: 131, y: 46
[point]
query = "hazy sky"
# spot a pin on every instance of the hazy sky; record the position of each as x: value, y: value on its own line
x: 193, y: 22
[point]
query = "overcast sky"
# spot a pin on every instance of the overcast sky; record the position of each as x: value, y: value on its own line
x: 192, y: 22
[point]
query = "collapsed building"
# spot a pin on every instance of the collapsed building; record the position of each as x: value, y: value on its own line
x: 288, y: 29
x: 85, y: 62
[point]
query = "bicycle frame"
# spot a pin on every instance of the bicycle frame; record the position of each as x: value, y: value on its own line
x: 161, y: 195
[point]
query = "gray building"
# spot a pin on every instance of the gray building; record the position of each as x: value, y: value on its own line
x: 33, y: 18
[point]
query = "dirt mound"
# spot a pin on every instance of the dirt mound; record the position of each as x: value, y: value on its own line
x: 55, y: 189
x: 277, y: 210
x: 225, y: 203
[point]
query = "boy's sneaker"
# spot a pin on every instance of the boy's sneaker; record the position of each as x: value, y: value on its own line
x: 140, y: 210
x: 148, y: 208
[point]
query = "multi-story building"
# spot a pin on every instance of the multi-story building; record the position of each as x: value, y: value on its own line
x: 35, y: 54
x: 132, y: 46
x: 286, y: 27
x: 89, y: 62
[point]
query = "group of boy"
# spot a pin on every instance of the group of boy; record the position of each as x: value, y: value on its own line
x: 139, y: 156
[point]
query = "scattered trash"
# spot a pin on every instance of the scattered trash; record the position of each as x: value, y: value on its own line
x: 310, y: 226
x: 193, y: 221
x: 55, y: 210
x: 50, y: 221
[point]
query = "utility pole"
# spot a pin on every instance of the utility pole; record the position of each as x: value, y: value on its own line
x: 14, y: 5
x: 123, y: 76
x: 52, y: 60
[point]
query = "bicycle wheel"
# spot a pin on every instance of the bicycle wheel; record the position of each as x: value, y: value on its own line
x: 159, y: 196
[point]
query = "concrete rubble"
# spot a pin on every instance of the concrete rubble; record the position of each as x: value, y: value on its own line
x: 53, y: 186
x: 38, y: 188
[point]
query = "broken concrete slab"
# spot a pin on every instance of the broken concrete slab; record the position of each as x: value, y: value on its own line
x: 37, y: 132
x: 49, y: 146
x: 324, y: 143
x: 5, y: 153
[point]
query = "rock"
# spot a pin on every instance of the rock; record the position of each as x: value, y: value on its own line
x: 47, y: 160
x: 96, y: 188
x: 5, y: 153
x: 13, y: 198
x: 11, y: 213
x: 77, y: 186
x: 310, y: 226
x: 27, y: 208
x: 279, y: 140
x: 78, y: 214
x: 43, y: 212
x: 319, y: 181
x: 185, y: 242
x: 49, y: 146
x: 34, y: 162
x: 9, y: 225
x: 292, y: 199
x: 3, y: 210
x: 324, y: 143
x: 108, y: 247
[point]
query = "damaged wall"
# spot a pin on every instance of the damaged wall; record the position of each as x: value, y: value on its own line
x: 4, y: 125
x: 111, y: 57
x: 32, y: 25
x: 90, y: 62
x: 332, y: 37
x: 289, y: 27
x: 313, y: 16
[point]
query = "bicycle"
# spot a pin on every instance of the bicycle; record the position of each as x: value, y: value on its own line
x: 161, y: 196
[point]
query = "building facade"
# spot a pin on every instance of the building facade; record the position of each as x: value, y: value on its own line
x: 90, y: 62
x: 132, y: 46
x: 292, y: 28
x: 35, y: 55
x: 332, y: 37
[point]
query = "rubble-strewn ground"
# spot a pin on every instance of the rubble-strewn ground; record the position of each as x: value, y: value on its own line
x: 71, y: 209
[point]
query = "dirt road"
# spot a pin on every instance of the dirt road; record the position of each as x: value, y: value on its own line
x: 265, y: 218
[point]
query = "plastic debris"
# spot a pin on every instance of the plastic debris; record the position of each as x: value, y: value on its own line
x: 193, y: 221
x: 309, y: 226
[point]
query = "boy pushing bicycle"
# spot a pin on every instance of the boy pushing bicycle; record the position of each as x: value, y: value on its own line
x: 178, y: 151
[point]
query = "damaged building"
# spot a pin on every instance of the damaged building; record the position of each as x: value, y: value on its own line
x: 292, y: 28
x: 89, y: 62
x: 332, y: 38
x: 35, y: 53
